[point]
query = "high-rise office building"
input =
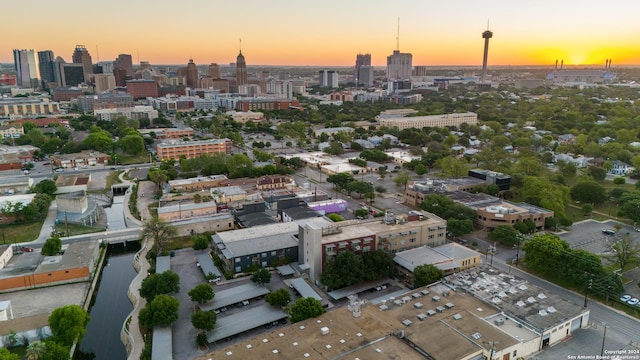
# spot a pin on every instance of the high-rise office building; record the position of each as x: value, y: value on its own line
x: 328, y: 78
x: 241, y: 70
x: 26, y: 68
x: 192, y: 74
x: 361, y: 60
x: 399, y: 65
x: 214, y: 71
x: 81, y: 56
x: 73, y: 74
x: 365, y: 75
x: 124, y: 61
x: 104, y: 82
x: 47, y: 67
x: 107, y: 66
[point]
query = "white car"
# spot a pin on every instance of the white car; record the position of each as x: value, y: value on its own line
x: 625, y: 298
x: 633, y: 301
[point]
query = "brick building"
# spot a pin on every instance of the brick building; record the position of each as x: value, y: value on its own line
x: 141, y: 89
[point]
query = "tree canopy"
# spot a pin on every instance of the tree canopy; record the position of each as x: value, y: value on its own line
x: 203, y: 320
x: 159, y: 231
x: 426, y: 274
x: 162, y: 311
x: 504, y: 234
x: 153, y: 285
x: 201, y: 293
x: 46, y: 186
x: 68, y: 323
x: 261, y: 277
x: 305, y: 308
x: 279, y: 298
x: 52, y: 246
x: 588, y: 192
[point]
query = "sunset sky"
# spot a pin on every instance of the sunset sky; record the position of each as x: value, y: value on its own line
x: 330, y: 32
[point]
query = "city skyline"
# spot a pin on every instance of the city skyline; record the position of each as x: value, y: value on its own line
x: 331, y: 33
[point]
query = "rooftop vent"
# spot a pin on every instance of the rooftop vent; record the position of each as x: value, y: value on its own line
x: 520, y: 303
x: 324, y: 330
x: 531, y: 300
x: 543, y: 313
x: 499, y: 321
x: 476, y: 335
x: 407, y: 322
x: 457, y: 316
x: 542, y: 296
x: 551, y: 309
x: 522, y: 287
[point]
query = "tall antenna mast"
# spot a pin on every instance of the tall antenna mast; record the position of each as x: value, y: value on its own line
x: 240, y: 46
x: 398, y: 36
x: 97, y: 53
x: 138, y: 54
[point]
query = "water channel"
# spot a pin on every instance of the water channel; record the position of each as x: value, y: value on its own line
x: 110, y: 306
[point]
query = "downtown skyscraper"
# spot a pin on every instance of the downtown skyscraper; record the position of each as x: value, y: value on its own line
x: 47, y: 65
x: 26, y: 68
x: 81, y: 56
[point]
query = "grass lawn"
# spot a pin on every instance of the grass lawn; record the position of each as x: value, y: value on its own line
x: 177, y: 243
x: 77, y: 229
x: 17, y: 233
x: 113, y: 178
x: 138, y: 159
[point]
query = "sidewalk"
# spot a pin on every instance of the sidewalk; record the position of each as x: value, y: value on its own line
x: 134, y: 348
x: 47, y: 226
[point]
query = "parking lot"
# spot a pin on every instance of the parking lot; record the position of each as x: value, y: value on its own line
x: 597, y: 237
x: 184, y: 334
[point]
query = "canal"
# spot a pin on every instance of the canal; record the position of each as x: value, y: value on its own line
x: 110, y: 306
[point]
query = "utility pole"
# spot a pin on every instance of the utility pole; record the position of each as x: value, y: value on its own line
x: 604, y: 336
x: 66, y: 223
x: 586, y: 292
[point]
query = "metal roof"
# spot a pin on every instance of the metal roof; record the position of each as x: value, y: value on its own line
x: 285, y: 270
x: 355, y: 289
x: 234, y: 295
x: 227, y: 326
x: 163, y: 264
x: 162, y: 348
x: 207, y: 266
x: 305, y: 289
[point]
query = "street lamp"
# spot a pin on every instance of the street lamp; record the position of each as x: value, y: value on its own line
x: 604, y: 336
x: 519, y: 239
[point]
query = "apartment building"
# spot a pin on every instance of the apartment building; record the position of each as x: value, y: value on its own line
x: 192, y: 149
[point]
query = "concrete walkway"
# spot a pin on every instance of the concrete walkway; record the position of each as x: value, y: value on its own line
x: 47, y: 226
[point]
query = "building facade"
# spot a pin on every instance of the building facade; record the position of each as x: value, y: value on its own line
x: 26, y: 68
x: 328, y: 78
x: 241, y: 70
x: 192, y: 149
x: 419, y: 122
x: 81, y: 56
x: 46, y: 63
x: 140, y: 89
x: 399, y: 65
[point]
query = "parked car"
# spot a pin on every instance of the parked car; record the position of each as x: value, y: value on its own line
x: 609, y: 232
x: 59, y: 170
x: 625, y: 298
x: 27, y: 249
x: 633, y: 301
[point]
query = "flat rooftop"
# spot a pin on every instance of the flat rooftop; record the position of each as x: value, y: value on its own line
x: 516, y: 297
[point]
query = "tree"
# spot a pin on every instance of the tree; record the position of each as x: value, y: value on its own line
x: 335, y: 217
x: 278, y: 298
x: 261, y: 277
x: 402, y: 179
x: 5, y: 354
x: 132, y: 144
x: 588, y: 192
x: 525, y: 227
x: 334, y: 148
x: 377, y: 265
x: 453, y: 167
x: 504, y: 234
x: 361, y: 213
x: 35, y: 350
x: 545, y: 253
x: 340, y: 180
x: 153, y: 285
x: 201, y: 293
x: 200, y: 242
x: 459, y: 227
x: 98, y: 139
x: 68, y: 324
x: 426, y: 274
x: 158, y: 177
x: 159, y: 231
x: 203, y: 320
x: 619, y: 181
x: 305, y: 308
x: 597, y: 173
x: 345, y: 269
x: 55, y: 351
x: 162, y: 311
x: 625, y: 252
x: 46, y: 186
x: 52, y: 246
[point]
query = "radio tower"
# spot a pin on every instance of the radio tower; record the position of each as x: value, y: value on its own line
x: 486, y: 36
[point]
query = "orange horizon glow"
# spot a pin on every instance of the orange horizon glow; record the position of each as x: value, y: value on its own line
x: 288, y: 33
